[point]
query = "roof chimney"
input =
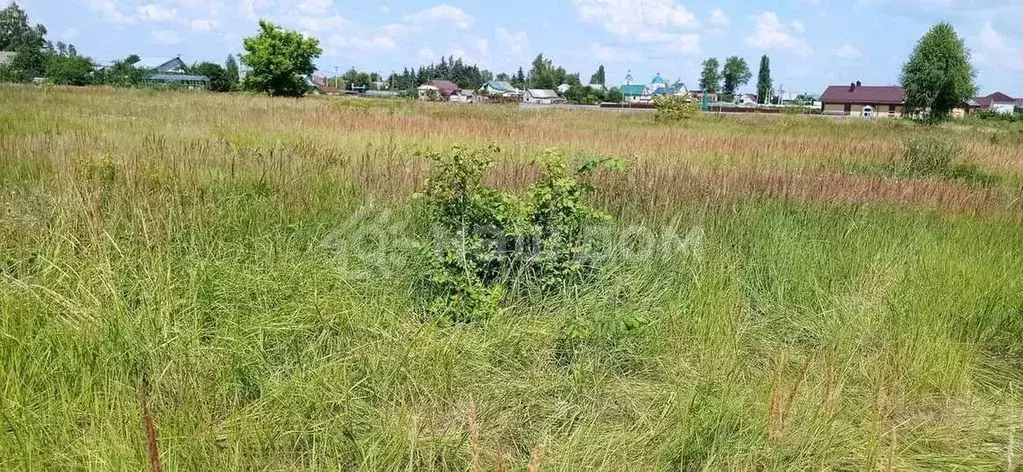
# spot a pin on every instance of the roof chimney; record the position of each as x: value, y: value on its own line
x: 858, y: 84
x: 852, y: 86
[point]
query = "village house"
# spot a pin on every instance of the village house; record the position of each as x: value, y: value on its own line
x: 998, y: 102
x: 542, y: 96
x: 856, y: 99
x: 499, y: 88
x: 171, y: 72
x: 746, y: 99
x: 438, y: 90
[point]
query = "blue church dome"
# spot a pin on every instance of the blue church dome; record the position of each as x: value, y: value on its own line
x: 657, y: 79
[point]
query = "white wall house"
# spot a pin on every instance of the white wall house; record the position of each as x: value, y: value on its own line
x: 542, y: 96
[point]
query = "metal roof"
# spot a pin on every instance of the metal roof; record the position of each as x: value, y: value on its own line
x: 161, y: 64
x: 543, y: 93
x: 632, y: 90
x: 501, y: 86
x: 863, y: 94
x: 446, y: 87
x: 997, y: 97
x: 178, y: 78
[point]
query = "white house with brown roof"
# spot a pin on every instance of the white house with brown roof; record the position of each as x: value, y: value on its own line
x: 998, y: 102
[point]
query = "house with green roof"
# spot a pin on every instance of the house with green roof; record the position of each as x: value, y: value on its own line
x: 499, y: 88
x: 633, y: 93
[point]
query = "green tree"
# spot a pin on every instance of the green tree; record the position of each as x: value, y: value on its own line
x: 520, y: 79
x: 16, y: 33
x: 231, y: 71
x: 29, y: 42
x: 938, y: 75
x: 279, y: 60
x: 764, y: 82
x: 216, y: 74
x: 735, y: 74
x: 123, y: 73
x: 614, y: 96
x: 710, y: 78
x: 68, y: 69
x: 599, y: 77
x: 544, y: 75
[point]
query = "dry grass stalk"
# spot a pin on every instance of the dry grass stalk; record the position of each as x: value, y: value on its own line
x: 536, y: 457
x: 474, y: 437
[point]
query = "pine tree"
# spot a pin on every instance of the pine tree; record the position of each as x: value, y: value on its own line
x: 599, y: 77
x: 231, y: 74
x: 764, y: 82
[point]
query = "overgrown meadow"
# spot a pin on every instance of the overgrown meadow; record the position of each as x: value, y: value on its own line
x: 224, y: 282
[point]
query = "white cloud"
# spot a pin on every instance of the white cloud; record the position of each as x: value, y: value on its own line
x: 847, y: 51
x: 517, y: 42
x: 770, y: 33
x: 797, y: 26
x: 443, y: 13
x: 203, y: 25
x: 155, y: 12
x: 627, y: 18
x: 654, y: 22
x: 426, y: 54
x: 166, y: 37
x: 385, y: 9
x: 993, y: 41
x: 250, y: 9
x: 337, y: 44
x: 613, y: 54
x: 719, y: 18
x: 460, y: 54
x: 482, y: 46
x: 318, y: 24
x: 108, y: 10
x: 997, y: 50
x: 315, y: 7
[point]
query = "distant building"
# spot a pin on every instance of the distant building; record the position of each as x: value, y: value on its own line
x: 634, y: 93
x: 319, y: 86
x: 563, y: 88
x: 656, y: 83
x: 438, y: 90
x: 542, y: 96
x: 171, y: 72
x: 678, y: 88
x: 746, y: 99
x: 998, y: 102
x: 499, y: 88
x: 863, y: 100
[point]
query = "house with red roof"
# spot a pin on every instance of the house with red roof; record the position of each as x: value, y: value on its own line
x: 856, y: 99
x: 438, y: 90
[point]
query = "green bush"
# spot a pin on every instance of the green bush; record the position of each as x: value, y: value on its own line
x: 488, y: 242
x: 675, y: 107
x: 939, y: 157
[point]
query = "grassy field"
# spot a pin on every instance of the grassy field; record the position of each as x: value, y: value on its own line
x: 232, y: 273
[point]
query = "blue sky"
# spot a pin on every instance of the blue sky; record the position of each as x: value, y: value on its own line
x: 811, y: 43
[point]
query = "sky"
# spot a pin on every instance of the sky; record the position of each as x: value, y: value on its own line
x: 811, y: 43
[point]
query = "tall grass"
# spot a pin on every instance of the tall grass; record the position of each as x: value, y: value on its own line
x: 225, y: 266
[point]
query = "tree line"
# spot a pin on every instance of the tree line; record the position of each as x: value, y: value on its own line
x: 736, y: 73
x: 937, y: 77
